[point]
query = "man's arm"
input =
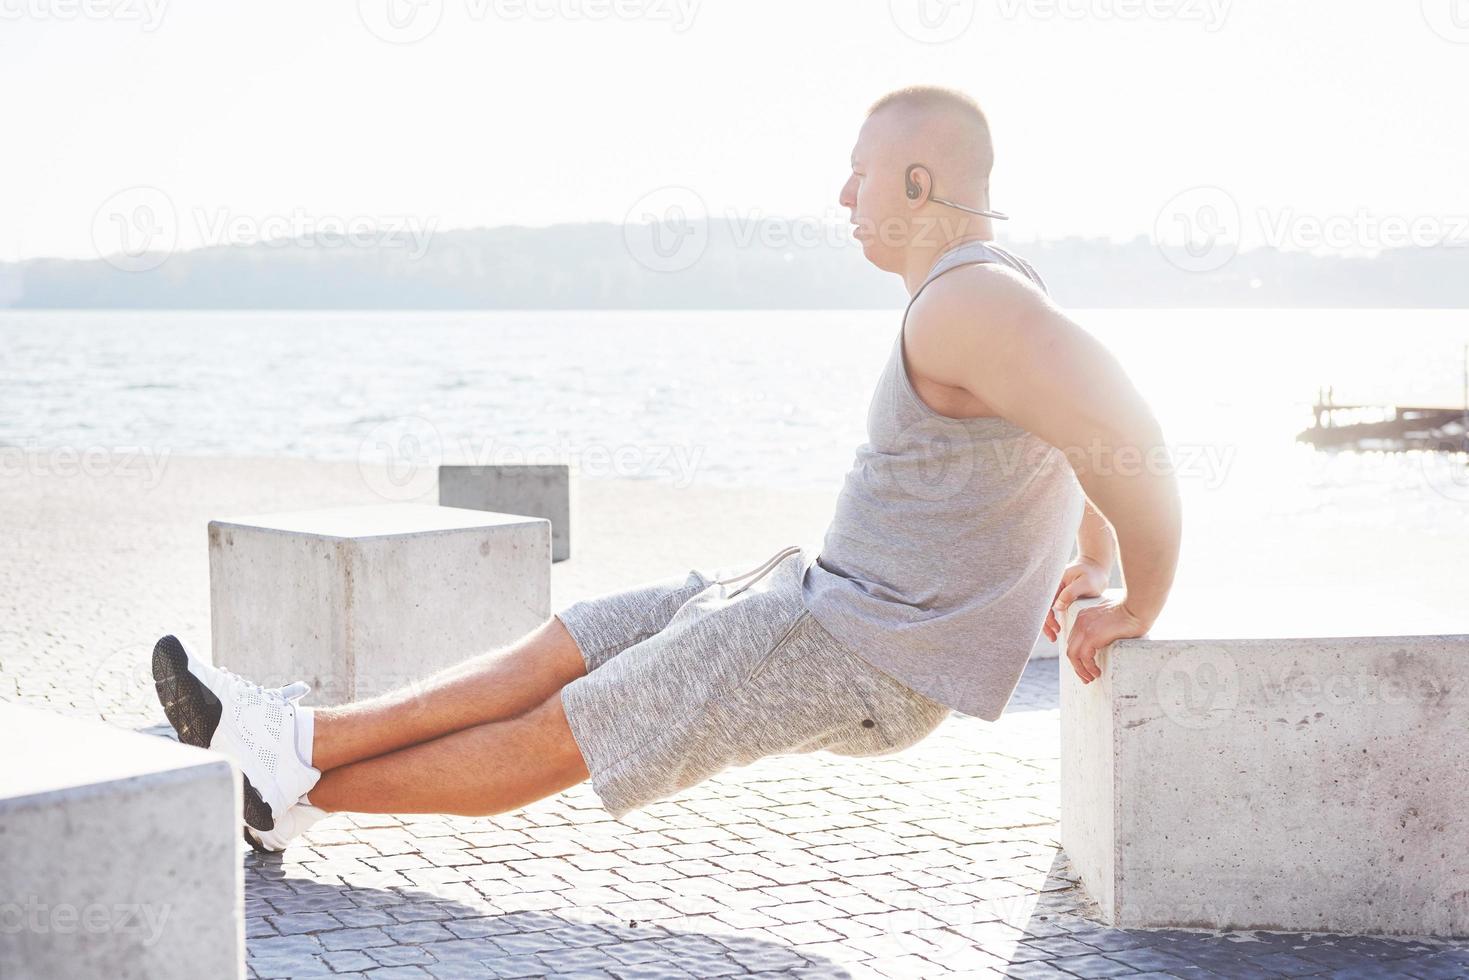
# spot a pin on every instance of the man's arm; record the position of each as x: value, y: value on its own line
x: 1094, y: 539
x: 990, y: 332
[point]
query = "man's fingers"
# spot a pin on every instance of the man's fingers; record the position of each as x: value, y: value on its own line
x: 1082, y: 652
x: 1089, y: 658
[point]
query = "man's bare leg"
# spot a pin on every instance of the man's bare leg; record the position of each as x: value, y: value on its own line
x: 491, y: 687
x: 478, y: 771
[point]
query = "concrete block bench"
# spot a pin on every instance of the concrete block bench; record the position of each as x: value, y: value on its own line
x: 530, y: 489
x: 1295, y: 784
x: 359, y: 600
x: 119, y: 853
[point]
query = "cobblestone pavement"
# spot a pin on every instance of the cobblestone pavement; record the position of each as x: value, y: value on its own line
x: 938, y: 861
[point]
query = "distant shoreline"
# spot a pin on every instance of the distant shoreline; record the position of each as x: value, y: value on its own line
x: 710, y: 265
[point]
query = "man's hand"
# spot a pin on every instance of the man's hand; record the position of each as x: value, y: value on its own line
x: 1095, y: 627
x: 1082, y: 579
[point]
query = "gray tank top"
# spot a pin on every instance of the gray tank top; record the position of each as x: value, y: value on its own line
x: 948, y: 540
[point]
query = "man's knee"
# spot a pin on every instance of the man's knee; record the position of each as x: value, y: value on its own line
x: 559, y: 739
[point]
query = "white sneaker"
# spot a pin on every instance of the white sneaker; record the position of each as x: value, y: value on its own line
x: 212, y: 708
x: 290, y: 825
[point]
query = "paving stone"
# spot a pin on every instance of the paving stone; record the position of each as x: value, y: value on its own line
x: 356, y: 938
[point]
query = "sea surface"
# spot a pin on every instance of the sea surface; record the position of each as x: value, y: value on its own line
x: 732, y: 398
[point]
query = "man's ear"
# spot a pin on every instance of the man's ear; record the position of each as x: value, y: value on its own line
x: 917, y: 183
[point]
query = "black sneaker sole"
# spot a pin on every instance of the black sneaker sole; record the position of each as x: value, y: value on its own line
x: 194, y: 711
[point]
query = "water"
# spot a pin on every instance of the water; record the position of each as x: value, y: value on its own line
x: 737, y: 398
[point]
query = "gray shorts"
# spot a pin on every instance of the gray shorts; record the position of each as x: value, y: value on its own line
x: 691, y: 675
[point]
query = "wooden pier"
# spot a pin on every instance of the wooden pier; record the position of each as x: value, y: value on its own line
x: 1389, y: 428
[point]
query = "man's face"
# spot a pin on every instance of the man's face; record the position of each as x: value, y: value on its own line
x: 874, y: 193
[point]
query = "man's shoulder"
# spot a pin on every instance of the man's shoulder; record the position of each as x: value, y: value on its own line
x: 976, y: 291
x: 969, y: 310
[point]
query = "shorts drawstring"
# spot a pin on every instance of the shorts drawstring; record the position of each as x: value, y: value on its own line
x: 764, y: 568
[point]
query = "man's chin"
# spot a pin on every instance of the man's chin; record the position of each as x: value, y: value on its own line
x: 875, y: 255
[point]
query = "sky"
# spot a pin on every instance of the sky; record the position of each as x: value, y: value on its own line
x: 1112, y: 118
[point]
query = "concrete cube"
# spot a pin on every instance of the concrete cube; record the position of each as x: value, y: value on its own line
x: 119, y: 854
x: 1295, y: 784
x: 534, y: 490
x: 359, y: 600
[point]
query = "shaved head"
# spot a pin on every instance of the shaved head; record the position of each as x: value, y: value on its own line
x: 945, y: 129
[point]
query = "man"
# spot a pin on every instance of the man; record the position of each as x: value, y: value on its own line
x: 999, y: 433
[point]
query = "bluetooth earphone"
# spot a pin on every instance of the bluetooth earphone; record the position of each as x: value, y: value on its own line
x: 914, y: 190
